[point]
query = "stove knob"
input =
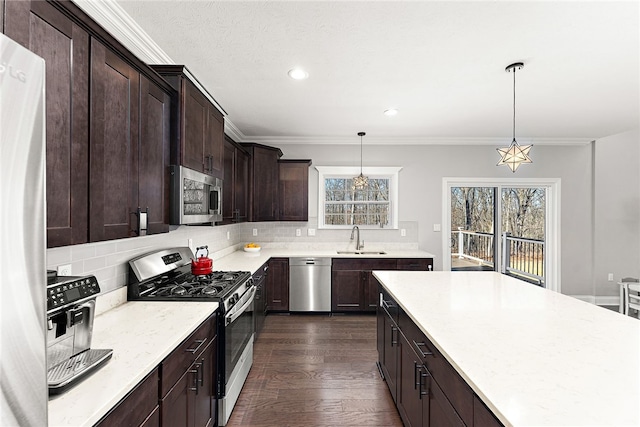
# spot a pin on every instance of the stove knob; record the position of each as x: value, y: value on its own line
x: 236, y: 297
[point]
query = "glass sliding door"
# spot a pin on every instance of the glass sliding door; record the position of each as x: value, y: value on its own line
x: 472, y: 229
x: 499, y: 228
x: 523, y: 219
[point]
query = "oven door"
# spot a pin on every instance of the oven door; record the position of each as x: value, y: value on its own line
x: 238, y: 330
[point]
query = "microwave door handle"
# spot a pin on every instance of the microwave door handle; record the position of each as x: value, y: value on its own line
x: 213, y: 199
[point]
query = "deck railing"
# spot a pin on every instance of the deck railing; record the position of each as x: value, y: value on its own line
x: 521, y: 257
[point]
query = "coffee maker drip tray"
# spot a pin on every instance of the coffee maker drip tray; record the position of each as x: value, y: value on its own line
x: 70, y: 372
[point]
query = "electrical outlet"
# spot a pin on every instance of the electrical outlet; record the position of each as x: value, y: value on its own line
x: 190, y: 243
x: 228, y: 235
x: 311, y: 232
x: 610, y: 278
x: 403, y: 232
x: 255, y: 231
x: 298, y: 232
x: 436, y: 227
x: 64, y: 270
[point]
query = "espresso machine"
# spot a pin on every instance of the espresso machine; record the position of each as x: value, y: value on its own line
x: 71, y: 304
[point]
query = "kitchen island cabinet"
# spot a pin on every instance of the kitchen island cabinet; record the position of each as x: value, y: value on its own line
x: 481, y: 335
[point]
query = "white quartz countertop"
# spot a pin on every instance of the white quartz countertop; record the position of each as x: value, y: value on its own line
x: 535, y: 357
x: 252, y: 261
x: 141, y: 335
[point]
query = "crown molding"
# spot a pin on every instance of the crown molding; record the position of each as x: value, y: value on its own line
x: 410, y: 140
x: 117, y: 21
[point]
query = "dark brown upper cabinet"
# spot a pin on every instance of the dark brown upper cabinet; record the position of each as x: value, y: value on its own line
x: 293, y: 190
x: 235, y: 184
x: 64, y: 45
x: 107, y: 126
x: 198, y: 124
x: 263, y: 182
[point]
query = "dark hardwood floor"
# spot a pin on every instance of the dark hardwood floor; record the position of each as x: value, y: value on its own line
x: 315, y: 370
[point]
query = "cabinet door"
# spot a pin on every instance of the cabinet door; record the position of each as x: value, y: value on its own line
x: 389, y: 361
x: 228, y: 184
x: 241, y: 186
x: 278, y: 285
x: 174, y: 407
x: 203, y: 395
x: 153, y: 162
x: 346, y: 290
x: 64, y: 46
x: 265, y: 184
x: 371, y: 296
x: 293, y: 190
x: 214, y: 142
x: 114, y: 145
x: 195, y: 112
x: 410, y: 379
x: 441, y: 413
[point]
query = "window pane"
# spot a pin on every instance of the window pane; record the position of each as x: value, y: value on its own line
x: 346, y: 206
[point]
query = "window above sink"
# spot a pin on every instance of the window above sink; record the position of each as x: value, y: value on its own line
x: 340, y: 206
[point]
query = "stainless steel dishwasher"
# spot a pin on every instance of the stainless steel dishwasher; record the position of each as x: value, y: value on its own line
x: 310, y: 284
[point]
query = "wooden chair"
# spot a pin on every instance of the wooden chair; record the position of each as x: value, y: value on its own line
x: 632, y: 301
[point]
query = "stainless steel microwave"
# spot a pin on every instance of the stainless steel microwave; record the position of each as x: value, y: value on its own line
x: 196, y: 198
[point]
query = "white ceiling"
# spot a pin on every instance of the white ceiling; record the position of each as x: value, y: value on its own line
x: 441, y: 64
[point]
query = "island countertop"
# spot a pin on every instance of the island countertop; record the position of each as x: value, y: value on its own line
x: 535, y: 357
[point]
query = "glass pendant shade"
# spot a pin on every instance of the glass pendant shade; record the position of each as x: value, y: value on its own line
x: 514, y: 155
x: 360, y: 181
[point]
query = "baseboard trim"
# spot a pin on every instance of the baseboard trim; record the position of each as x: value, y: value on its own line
x: 598, y: 299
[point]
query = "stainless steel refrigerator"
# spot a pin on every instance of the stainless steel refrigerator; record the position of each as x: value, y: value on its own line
x: 23, y: 367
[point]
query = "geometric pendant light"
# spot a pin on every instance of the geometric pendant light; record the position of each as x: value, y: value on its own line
x: 515, y: 154
x: 360, y: 181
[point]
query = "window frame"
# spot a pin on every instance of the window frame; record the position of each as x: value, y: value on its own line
x: 388, y: 172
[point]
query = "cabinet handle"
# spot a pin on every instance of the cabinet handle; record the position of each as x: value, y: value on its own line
x: 416, y: 378
x: 430, y: 267
x: 423, y: 353
x: 201, y: 372
x: 195, y: 378
x: 195, y: 350
x: 425, y: 391
x: 393, y: 329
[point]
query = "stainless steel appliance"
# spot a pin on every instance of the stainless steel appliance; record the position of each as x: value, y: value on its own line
x: 166, y: 275
x: 70, y: 310
x: 23, y: 368
x: 310, y: 284
x: 196, y: 198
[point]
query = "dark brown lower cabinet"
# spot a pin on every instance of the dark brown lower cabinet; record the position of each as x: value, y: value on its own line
x: 353, y: 287
x: 190, y: 403
x: 278, y: 285
x: 138, y: 408
x: 427, y: 390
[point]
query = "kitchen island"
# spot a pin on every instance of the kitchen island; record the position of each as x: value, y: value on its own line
x: 533, y: 356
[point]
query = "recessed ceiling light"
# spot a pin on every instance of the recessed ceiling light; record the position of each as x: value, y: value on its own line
x: 390, y: 112
x: 298, y: 74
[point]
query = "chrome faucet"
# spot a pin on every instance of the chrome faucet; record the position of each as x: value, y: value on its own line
x: 357, y: 230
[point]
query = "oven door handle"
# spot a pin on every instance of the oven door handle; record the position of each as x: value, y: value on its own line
x: 237, y: 313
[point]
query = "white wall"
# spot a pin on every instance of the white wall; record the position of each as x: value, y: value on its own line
x: 616, y: 211
x: 420, y: 190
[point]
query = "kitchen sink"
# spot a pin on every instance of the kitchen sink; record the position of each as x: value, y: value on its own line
x: 361, y: 252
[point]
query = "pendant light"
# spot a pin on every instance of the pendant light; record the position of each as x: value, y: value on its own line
x: 360, y: 181
x: 514, y: 155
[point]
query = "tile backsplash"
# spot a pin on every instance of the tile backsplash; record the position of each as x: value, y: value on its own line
x: 108, y: 260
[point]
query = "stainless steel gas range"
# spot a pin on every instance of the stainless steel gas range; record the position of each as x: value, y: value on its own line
x: 166, y: 275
